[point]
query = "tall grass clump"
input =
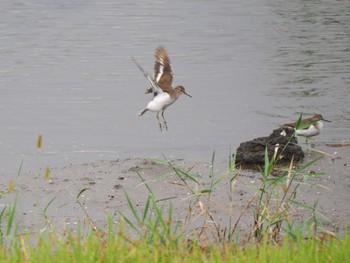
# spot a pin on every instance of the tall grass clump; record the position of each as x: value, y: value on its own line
x: 152, y: 223
x: 270, y: 207
x: 8, y: 227
x: 276, y: 196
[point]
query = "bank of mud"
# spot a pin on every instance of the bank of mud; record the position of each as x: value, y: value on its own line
x: 107, y: 181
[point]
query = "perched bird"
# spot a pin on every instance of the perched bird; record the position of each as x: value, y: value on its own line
x: 308, y: 127
x: 163, y: 94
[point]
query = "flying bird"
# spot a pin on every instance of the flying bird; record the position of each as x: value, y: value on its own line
x: 163, y: 93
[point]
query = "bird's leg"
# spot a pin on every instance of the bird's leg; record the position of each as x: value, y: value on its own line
x: 165, y: 125
x: 160, y: 125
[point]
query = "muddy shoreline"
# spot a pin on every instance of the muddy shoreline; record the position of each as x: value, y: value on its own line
x: 107, y: 181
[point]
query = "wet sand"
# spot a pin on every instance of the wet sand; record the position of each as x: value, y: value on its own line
x: 106, y: 182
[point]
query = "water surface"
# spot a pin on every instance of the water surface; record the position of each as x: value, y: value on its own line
x: 66, y: 72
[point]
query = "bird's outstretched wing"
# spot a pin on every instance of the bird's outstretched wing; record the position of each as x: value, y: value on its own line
x: 154, y: 86
x: 163, y: 74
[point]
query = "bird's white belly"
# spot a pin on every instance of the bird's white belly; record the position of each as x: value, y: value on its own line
x: 311, y: 131
x: 160, y: 102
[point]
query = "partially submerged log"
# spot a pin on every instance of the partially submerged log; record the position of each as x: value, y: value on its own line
x: 281, y: 143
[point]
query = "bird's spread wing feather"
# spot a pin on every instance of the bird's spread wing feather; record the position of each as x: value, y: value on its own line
x: 154, y: 85
x: 163, y: 73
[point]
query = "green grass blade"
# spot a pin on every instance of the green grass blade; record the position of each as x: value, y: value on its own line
x: 158, y: 212
x: 268, y: 165
x: 81, y: 192
x: 232, y: 162
x: 309, y: 207
x: 11, y: 217
x: 47, y: 206
x: 297, y: 125
x: 158, y: 161
x: 131, y: 206
x: 129, y: 223
x: 20, y: 169
x: 144, y: 181
x: 146, y: 209
x: 212, y: 165
x: 308, y: 164
x: 187, y: 175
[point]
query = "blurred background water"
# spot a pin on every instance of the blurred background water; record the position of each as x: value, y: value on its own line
x: 66, y: 73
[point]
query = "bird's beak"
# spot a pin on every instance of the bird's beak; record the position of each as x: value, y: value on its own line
x: 326, y: 120
x: 187, y: 94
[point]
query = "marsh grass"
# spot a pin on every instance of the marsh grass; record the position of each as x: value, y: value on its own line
x: 150, y: 233
x: 8, y: 227
x: 271, y: 206
x: 118, y: 248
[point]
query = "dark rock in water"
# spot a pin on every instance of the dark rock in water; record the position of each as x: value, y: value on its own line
x: 252, y: 153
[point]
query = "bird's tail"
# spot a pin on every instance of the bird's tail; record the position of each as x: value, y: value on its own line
x: 142, y: 112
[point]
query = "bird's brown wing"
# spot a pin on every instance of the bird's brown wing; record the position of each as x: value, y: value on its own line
x: 304, y: 123
x: 292, y: 125
x: 163, y: 73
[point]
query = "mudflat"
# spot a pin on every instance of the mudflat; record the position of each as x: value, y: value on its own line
x: 106, y: 182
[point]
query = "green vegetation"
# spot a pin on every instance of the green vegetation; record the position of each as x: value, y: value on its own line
x: 119, y: 248
x: 151, y: 234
